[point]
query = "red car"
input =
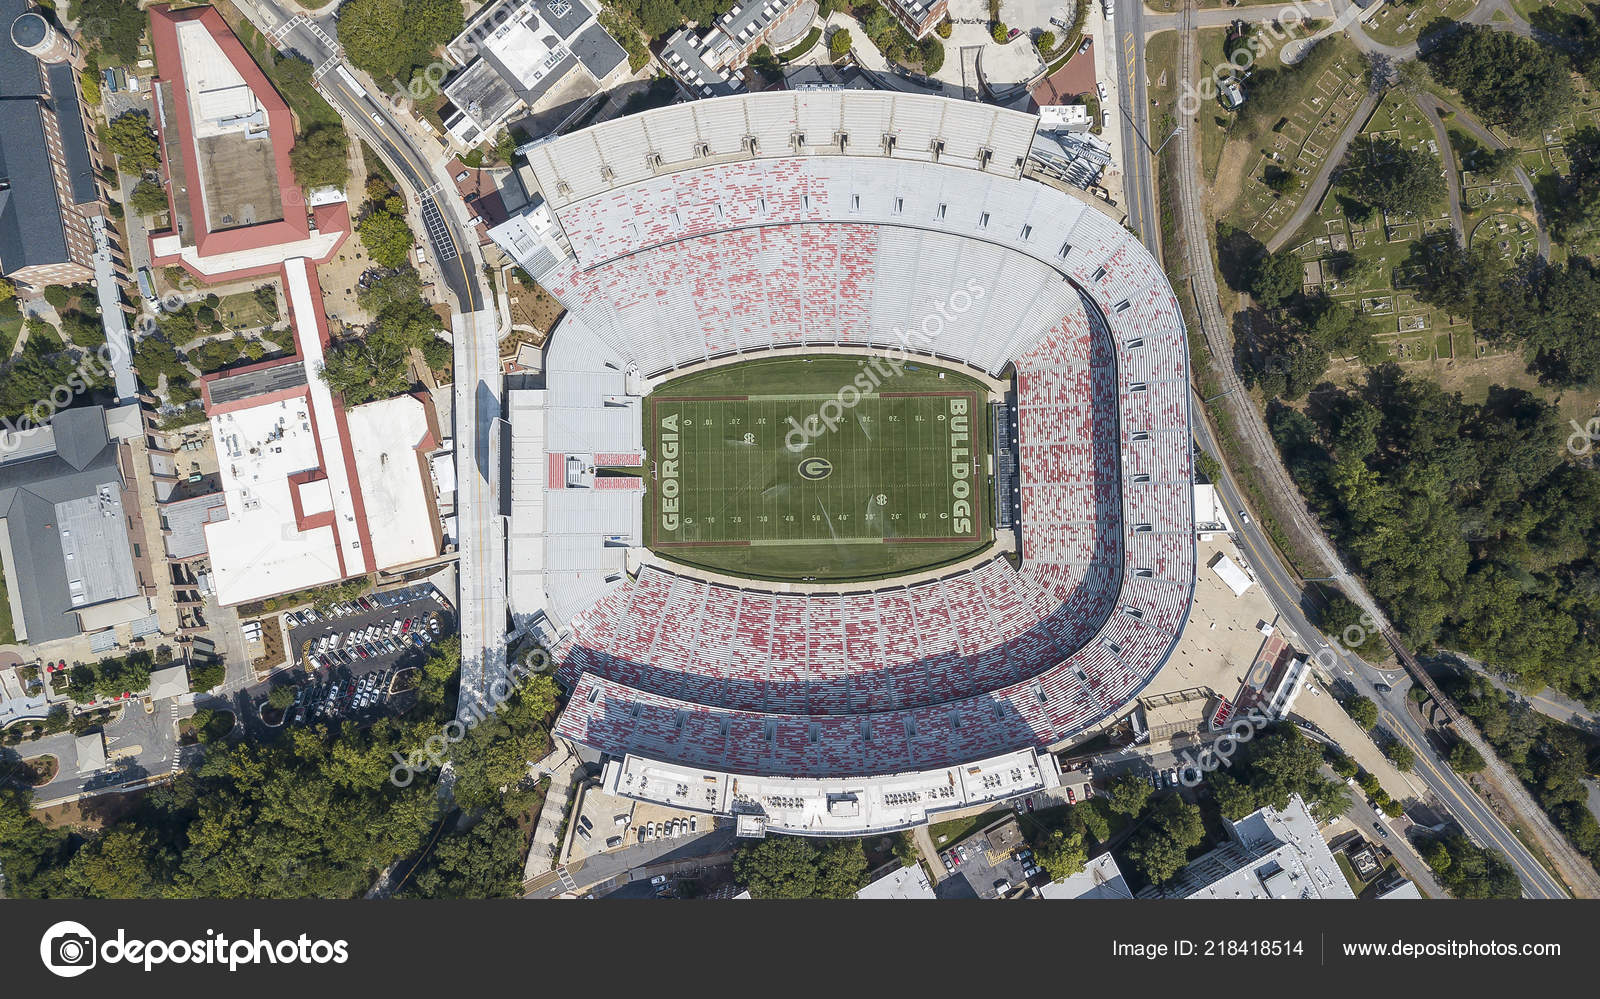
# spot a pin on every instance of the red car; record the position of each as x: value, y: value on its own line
x: 1030, y: 802
x: 1072, y: 799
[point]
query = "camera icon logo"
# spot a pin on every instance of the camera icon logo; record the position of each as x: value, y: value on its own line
x: 68, y: 949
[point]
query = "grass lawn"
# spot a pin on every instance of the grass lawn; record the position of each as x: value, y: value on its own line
x: 887, y: 479
x: 949, y: 833
x: 244, y: 311
x: 8, y: 633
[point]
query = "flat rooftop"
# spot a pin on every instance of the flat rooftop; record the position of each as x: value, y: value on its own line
x: 834, y: 806
x: 265, y: 547
x: 250, y: 384
x: 385, y: 437
x: 94, y: 547
x: 233, y: 145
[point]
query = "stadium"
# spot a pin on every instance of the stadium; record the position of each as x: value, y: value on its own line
x: 857, y: 475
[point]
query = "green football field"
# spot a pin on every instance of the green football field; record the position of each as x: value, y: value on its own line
x: 788, y: 468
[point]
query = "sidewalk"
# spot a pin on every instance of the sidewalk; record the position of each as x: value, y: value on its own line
x: 560, y: 765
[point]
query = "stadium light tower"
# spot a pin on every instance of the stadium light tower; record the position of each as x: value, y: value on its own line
x: 1169, y: 138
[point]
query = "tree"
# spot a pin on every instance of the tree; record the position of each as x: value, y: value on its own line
x: 839, y: 43
x: 1401, y: 756
x: 1363, y: 712
x: 391, y: 38
x: 1062, y: 854
x: 387, y: 238
x: 1506, y: 79
x: 1129, y: 794
x: 1394, y: 178
x: 1464, y: 759
x: 148, y: 198
x: 1160, y: 849
x: 281, y: 697
x: 319, y: 157
x: 8, y: 291
x: 495, y: 756
x: 1277, y: 279
x: 130, y: 137
x: 1234, y: 798
x: 115, y: 26
x: 793, y: 867
x: 932, y: 55
x: 1046, y: 42
x: 29, y: 849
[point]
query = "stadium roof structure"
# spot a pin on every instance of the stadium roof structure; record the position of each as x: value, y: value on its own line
x: 808, y: 222
x: 225, y: 136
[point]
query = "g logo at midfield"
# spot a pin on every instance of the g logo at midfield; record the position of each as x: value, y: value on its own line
x: 816, y: 468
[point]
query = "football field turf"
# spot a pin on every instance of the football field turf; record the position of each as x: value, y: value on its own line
x: 777, y: 469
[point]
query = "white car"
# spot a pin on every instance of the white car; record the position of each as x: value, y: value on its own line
x: 1244, y: 518
x: 1100, y: 88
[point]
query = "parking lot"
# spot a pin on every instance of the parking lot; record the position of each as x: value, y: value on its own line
x: 993, y: 863
x: 354, y: 650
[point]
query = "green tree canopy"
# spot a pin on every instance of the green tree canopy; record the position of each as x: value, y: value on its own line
x: 1506, y: 79
x: 131, y: 138
x: 148, y: 198
x: 793, y: 867
x: 1396, y: 179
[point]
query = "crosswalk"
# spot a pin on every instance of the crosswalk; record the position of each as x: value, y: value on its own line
x: 437, y: 231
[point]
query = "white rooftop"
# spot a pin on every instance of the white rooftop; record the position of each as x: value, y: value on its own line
x: 384, y: 436
x: 906, y: 884
x: 833, y: 806
x: 1273, y: 854
x: 259, y: 550
x: 1099, y: 879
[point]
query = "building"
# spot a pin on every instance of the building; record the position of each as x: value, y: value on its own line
x: 313, y: 493
x: 1230, y: 92
x: 67, y: 537
x: 1269, y: 855
x: 906, y: 884
x: 917, y: 16
x: 1065, y: 118
x: 708, y: 62
x: 48, y: 156
x: 1099, y: 879
x: 527, y: 55
x: 226, y: 135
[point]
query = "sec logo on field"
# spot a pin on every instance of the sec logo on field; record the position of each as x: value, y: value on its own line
x: 816, y: 468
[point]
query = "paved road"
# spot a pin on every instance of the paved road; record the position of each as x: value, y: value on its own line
x: 639, y: 861
x: 1435, y: 107
x: 1548, y: 702
x: 1130, y: 84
